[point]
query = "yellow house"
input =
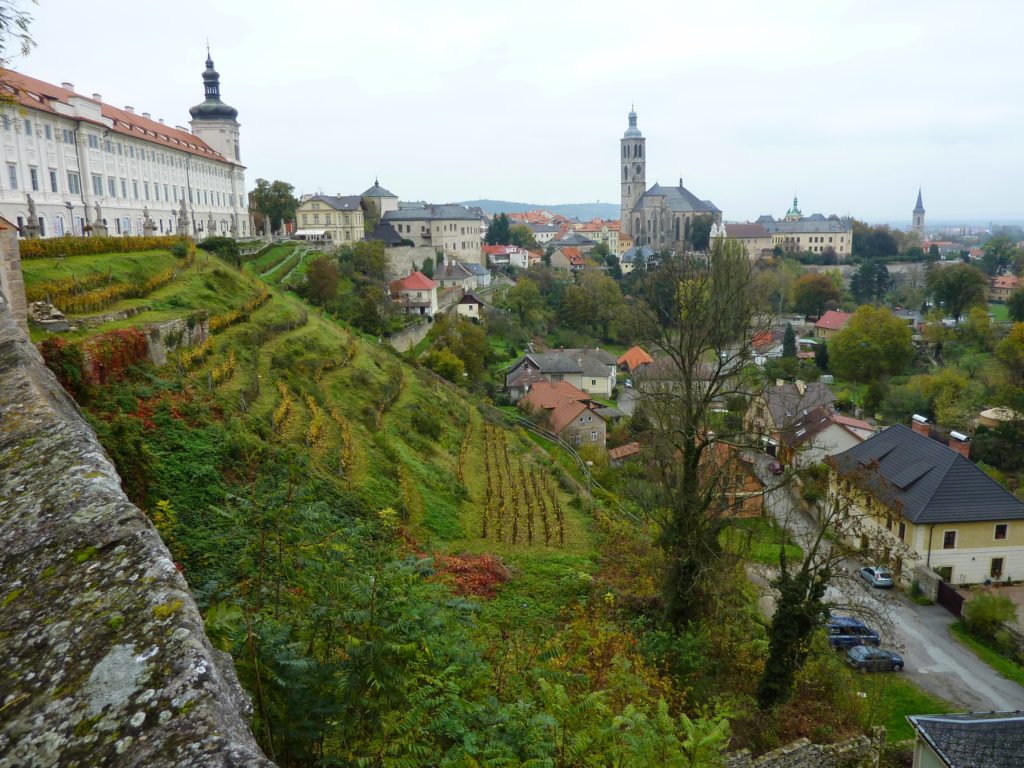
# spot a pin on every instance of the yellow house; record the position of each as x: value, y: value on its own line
x: 329, y: 217
x: 924, y: 500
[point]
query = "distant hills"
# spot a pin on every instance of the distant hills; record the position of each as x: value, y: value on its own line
x: 581, y: 211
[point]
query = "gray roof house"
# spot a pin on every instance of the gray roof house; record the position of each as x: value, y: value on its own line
x: 591, y: 370
x: 973, y: 740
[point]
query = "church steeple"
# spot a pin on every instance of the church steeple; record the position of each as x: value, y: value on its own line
x: 212, y: 108
x: 793, y: 214
x: 632, y: 174
x: 917, y: 224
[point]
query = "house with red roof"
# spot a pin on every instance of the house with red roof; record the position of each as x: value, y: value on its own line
x: 568, y: 259
x: 831, y: 323
x: 417, y: 294
x: 567, y: 411
x: 506, y: 256
x: 1002, y: 287
x: 633, y: 358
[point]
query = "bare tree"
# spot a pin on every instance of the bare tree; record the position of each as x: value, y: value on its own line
x: 698, y: 316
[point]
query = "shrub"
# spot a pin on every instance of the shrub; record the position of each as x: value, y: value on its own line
x: 985, y: 615
x: 426, y: 423
x: 224, y: 247
x: 55, y: 247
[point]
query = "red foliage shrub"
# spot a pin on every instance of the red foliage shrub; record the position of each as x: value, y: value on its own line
x: 471, y: 575
x: 112, y: 354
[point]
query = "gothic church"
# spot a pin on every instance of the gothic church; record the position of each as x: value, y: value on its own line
x: 660, y: 216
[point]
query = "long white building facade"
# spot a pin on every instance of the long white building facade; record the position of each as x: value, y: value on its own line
x: 90, y: 167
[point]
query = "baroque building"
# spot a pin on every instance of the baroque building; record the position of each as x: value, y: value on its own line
x: 816, y: 233
x: 76, y: 165
x: 660, y: 216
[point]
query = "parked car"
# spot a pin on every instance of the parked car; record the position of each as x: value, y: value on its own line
x: 846, y: 632
x: 877, y: 577
x: 776, y: 468
x: 874, y: 659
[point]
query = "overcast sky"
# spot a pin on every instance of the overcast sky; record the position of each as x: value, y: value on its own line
x: 851, y: 105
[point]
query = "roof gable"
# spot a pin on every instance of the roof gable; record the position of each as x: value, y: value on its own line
x: 417, y: 281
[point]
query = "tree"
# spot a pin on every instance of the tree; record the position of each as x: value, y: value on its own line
x: 997, y: 255
x: 444, y: 363
x: 700, y: 232
x: 789, y: 341
x: 956, y: 287
x: 527, y: 304
x: 701, y: 316
x: 322, y: 280
x: 873, y: 343
x: 1010, y: 352
x: 428, y: 266
x: 978, y: 328
x: 520, y: 235
x: 594, y: 301
x: 870, y: 282
x: 366, y: 261
x: 14, y: 24
x: 813, y: 293
x: 275, y: 201
x: 821, y: 356
x: 1015, y: 305
x: 874, y: 242
x: 498, y: 231
x: 464, y: 339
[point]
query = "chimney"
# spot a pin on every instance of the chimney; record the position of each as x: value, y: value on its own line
x: 97, y: 97
x: 68, y: 87
x: 960, y: 443
x: 130, y: 110
x: 161, y: 121
x: 920, y: 424
x: 146, y: 115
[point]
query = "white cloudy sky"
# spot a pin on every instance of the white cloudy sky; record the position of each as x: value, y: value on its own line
x: 849, y: 104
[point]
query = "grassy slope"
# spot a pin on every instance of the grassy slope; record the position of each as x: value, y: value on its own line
x: 449, y: 520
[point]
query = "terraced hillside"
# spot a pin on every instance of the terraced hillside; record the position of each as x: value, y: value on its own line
x: 301, y: 474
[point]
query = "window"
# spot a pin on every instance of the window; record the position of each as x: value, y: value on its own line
x: 108, y: 146
x: 67, y: 136
x: 1001, y: 531
x: 94, y: 142
x: 28, y: 127
x: 593, y: 437
x: 903, y: 531
x: 74, y: 183
x: 53, y: 181
x: 124, y: 189
x: 12, y: 175
x: 305, y: 218
x: 48, y: 132
x: 97, y: 185
x: 888, y: 522
x: 996, y: 570
x: 7, y: 123
x: 145, y: 189
x: 120, y: 151
x: 112, y: 186
x: 131, y: 152
x: 156, y: 191
x: 593, y: 382
x: 327, y: 218
x: 33, y: 175
x: 135, y: 189
x: 949, y: 540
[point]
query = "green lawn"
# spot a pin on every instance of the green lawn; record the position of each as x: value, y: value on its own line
x: 759, y: 539
x: 894, y: 698
x: 1000, y: 312
x: 990, y: 656
x: 122, y: 267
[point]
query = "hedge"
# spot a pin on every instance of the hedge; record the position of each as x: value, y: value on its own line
x: 55, y: 247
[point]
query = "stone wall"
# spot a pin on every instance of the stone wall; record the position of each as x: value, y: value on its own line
x: 928, y: 580
x: 408, y: 338
x: 858, y: 752
x: 162, y: 338
x: 104, y: 657
x: 11, y: 284
x: 402, y: 257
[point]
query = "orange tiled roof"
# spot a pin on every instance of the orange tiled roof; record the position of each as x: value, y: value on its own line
x: 417, y: 281
x: 39, y: 95
x: 563, y: 402
x: 1004, y: 281
x: 624, y: 451
x: 634, y: 357
x: 833, y: 320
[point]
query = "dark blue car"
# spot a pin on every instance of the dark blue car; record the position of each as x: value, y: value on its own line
x: 846, y: 632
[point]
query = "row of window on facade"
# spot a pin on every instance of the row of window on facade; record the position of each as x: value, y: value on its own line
x: 67, y: 136
x: 327, y: 218
x: 121, y: 226
x: 170, y: 192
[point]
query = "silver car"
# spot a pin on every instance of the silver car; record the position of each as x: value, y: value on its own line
x: 877, y: 577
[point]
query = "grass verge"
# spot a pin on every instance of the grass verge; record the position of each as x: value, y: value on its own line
x: 896, y: 697
x: 992, y: 657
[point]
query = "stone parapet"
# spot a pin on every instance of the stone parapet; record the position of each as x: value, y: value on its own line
x: 104, y: 656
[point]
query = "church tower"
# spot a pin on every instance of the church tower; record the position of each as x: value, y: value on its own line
x: 918, y: 220
x: 213, y: 121
x: 633, y: 173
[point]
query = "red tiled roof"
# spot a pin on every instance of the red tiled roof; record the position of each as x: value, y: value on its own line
x: 762, y: 339
x: 833, y: 320
x: 417, y: 281
x: 634, y: 357
x: 1004, y: 281
x: 624, y: 451
x: 36, y: 94
x: 546, y: 394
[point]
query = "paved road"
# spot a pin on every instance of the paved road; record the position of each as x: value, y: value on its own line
x: 935, y: 660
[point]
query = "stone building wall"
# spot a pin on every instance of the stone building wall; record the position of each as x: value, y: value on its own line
x: 11, y: 284
x: 180, y: 333
x: 858, y: 752
x: 105, y: 658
